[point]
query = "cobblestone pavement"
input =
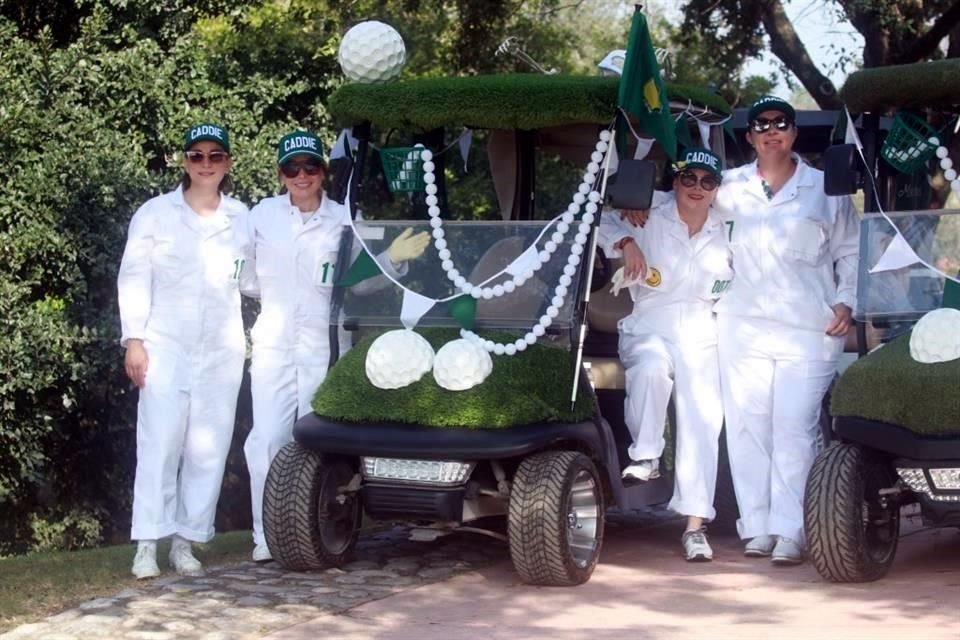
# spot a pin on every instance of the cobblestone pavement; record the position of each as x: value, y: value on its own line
x: 248, y: 600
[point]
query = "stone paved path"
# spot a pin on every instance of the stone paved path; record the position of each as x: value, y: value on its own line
x: 248, y: 600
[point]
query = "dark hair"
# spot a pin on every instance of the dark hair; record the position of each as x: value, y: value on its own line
x: 226, y: 185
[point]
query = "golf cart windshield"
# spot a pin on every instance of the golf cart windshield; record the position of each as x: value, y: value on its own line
x: 906, y: 293
x: 479, y: 251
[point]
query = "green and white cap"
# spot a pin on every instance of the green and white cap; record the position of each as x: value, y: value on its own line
x: 207, y: 131
x: 770, y: 103
x: 299, y: 143
x: 699, y: 158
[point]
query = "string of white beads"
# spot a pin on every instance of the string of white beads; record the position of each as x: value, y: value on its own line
x: 586, y: 197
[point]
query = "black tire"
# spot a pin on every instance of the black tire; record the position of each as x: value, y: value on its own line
x: 724, y: 497
x: 307, y: 522
x: 851, y: 536
x: 556, y: 518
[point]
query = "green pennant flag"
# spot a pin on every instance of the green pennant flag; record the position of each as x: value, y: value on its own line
x: 951, y: 294
x: 362, y: 268
x: 684, y: 140
x: 642, y: 91
x: 463, y: 309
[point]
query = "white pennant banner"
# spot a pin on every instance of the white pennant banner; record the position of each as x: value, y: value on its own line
x: 465, y: 141
x: 414, y: 307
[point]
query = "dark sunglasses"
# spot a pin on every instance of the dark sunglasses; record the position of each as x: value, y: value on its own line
x: 292, y: 169
x: 707, y: 182
x: 215, y: 157
x: 759, y: 125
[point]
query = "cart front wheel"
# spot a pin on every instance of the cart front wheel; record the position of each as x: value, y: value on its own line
x: 556, y: 518
x: 309, y: 522
x: 851, y: 529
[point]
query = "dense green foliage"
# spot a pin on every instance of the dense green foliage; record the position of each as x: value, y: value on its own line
x: 890, y: 386
x: 517, y: 392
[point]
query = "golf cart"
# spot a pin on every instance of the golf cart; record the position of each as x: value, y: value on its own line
x: 541, y: 442
x: 895, y: 433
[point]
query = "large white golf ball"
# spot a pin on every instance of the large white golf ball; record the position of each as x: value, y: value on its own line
x: 936, y: 336
x: 398, y: 358
x: 461, y: 364
x: 372, y: 51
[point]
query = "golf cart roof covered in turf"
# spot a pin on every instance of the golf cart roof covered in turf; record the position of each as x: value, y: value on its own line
x: 507, y: 101
x: 921, y: 85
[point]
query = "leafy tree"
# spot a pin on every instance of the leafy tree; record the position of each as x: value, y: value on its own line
x: 894, y: 32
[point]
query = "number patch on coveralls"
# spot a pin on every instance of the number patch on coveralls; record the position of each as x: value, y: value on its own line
x: 729, y: 224
x: 719, y: 286
x: 238, y: 268
x: 325, y: 272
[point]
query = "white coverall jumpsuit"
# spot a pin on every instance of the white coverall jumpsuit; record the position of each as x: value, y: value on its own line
x: 179, y: 292
x: 795, y: 257
x: 294, y: 264
x: 669, y: 342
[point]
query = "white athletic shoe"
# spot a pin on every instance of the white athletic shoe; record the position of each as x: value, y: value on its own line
x: 760, y: 547
x: 643, y: 470
x: 261, y: 553
x: 145, y: 562
x: 182, y: 560
x: 787, y: 552
x: 695, y: 546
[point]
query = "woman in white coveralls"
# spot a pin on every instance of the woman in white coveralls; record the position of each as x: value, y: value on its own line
x: 680, y: 265
x: 181, y: 326
x: 781, y: 325
x: 296, y: 236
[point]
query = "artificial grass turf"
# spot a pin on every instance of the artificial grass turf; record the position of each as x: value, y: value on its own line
x: 532, y: 386
x: 503, y: 101
x: 920, y: 85
x: 39, y: 584
x: 890, y: 386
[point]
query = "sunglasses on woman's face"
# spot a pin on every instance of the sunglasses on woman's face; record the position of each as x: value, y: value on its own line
x: 292, y: 169
x: 759, y: 125
x: 707, y: 182
x: 215, y: 157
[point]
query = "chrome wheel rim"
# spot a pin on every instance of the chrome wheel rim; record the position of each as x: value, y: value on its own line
x: 582, y: 514
x: 336, y: 515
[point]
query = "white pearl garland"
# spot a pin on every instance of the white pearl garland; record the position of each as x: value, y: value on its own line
x: 586, y: 197
x: 949, y: 173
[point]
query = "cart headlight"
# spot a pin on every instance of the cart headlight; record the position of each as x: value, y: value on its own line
x: 945, y: 478
x: 442, y: 472
x: 914, y: 479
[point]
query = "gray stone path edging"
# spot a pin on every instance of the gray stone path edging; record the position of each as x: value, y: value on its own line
x: 248, y: 600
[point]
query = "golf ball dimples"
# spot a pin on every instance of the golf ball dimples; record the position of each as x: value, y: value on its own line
x: 398, y: 358
x: 372, y: 52
x: 936, y: 336
x: 461, y: 364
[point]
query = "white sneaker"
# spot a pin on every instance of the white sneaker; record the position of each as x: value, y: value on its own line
x: 760, y: 547
x: 261, y: 553
x: 643, y: 470
x: 145, y: 562
x: 787, y: 552
x: 695, y: 546
x: 182, y: 559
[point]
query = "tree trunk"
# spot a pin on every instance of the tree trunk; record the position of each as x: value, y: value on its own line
x: 786, y: 45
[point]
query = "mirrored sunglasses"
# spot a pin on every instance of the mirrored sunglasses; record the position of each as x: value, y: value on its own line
x: 310, y: 167
x: 759, y: 125
x: 707, y: 182
x: 215, y: 157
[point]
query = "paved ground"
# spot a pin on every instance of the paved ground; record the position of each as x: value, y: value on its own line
x: 246, y: 601
x: 401, y: 590
x: 644, y: 590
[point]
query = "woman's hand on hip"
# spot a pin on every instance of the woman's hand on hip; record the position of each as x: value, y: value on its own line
x: 135, y: 362
x: 842, y: 320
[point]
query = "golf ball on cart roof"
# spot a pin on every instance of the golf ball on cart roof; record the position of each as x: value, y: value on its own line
x: 461, y: 365
x: 372, y: 51
x: 398, y: 358
x: 936, y: 336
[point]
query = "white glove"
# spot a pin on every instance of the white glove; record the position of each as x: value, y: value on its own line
x: 619, y: 282
x: 407, y: 246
